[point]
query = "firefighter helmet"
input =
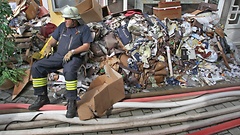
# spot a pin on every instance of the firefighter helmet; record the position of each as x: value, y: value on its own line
x: 70, y: 12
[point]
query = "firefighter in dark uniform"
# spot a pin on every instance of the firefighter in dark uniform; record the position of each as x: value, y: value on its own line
x: 72, y: 39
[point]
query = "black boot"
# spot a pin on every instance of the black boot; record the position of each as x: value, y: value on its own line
x: 41, y: 100
x: 71, y: 109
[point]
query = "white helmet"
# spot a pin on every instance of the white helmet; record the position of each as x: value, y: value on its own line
x: 70, y: 12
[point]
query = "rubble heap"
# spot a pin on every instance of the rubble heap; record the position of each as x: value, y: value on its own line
x: 146, y: 51
x: 190, y: 52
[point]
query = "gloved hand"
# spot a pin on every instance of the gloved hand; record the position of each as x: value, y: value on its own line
x: 48, y: 51
x: 68, y: 56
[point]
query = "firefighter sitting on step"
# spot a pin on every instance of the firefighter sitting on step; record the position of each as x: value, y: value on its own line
x: 72, y: 39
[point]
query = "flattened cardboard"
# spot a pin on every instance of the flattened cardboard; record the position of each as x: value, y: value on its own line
x: 196, y: 12
x: 124, y: 59
x: 197, y: 24
x: 208, y: 6
x: 219, y: 31
x: 32, y: 10
x: 19, y: 87
x: 90, y: 11
x: 102, y: 93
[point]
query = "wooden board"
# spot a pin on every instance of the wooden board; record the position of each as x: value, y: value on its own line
x: 19, y: 87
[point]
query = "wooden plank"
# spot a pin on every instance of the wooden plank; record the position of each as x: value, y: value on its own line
x: 19, y: 87
x: 24, y: 45
x: 25, y: 34
x: 22, y: 40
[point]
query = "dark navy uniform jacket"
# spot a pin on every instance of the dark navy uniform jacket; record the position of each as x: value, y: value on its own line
x: 71, y: 38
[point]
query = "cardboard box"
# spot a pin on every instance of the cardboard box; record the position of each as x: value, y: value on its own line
x: 90, y: 11
x: 103, y: 92
x: 171, y: 10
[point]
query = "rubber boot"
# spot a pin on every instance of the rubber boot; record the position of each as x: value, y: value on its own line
x: 40, y: 101
x: 71, y: 109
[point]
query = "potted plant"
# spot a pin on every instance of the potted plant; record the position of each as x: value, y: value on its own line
x: 8, y: 70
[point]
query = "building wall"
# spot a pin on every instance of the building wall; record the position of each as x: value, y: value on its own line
x: 56, y: 17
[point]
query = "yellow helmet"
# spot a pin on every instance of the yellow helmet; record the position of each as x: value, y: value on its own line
x: 70, y: 12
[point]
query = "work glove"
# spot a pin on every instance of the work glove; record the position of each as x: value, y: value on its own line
x: 68, y: 56
x: 48, y: 51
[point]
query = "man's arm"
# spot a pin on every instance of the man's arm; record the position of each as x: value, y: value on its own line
x: 85, y: 47
x: 52, y: 42
x: 48, y: 48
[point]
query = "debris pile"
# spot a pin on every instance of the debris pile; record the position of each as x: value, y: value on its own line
x: 191, y: 51
x: 149, y: 52
x: 32, y: 25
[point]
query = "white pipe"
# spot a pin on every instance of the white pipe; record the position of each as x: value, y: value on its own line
x: 151, y: 122
x: 125, y: 4
x: 191, y: 126
x: 169, y: 61
x: 174, y: 104
x: 7, y: 118
x: 102, y: 2
x: 132, y: 124
x: 31, y: 124
x: 220, y: 8
x: 106, y: 2
x: 27, y: 116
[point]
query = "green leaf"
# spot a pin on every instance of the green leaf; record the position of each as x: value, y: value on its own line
x: 7, y: 47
